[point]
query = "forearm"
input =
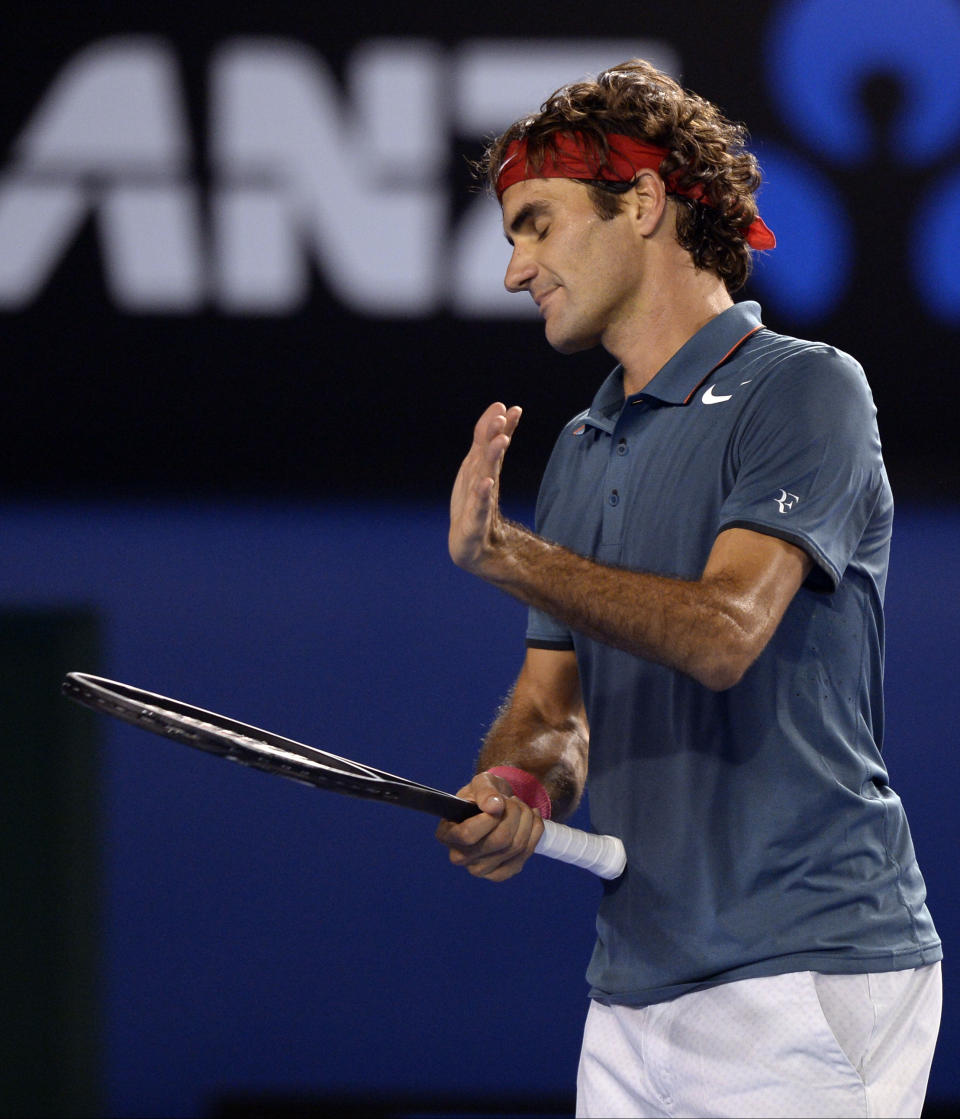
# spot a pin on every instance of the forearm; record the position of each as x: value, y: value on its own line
x: 550, y: 746
x: 706, y: 628
x: 711, y: 628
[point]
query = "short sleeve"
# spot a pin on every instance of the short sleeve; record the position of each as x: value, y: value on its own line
x: 545, y: 632
x: 809, y: 467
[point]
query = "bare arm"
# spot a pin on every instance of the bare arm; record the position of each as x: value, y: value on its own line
x: 712, y: 628
x: 542, y: 729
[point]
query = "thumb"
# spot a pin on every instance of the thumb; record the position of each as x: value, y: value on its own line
x: 493, y: 804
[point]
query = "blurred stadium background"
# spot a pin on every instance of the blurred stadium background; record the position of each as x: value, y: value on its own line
x: 250, y: 307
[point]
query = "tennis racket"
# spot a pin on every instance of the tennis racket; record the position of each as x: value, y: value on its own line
x: 602, y: 854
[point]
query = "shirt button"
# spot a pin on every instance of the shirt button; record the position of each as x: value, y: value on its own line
x: 614, y: 497
x: 622, y: 447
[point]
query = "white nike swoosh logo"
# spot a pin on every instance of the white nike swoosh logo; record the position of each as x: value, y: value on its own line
x: 710, y: 397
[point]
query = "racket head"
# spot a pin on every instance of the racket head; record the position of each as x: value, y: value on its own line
x: 257, y: 748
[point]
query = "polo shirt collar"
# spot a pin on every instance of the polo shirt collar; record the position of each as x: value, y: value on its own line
x: 686, y: 371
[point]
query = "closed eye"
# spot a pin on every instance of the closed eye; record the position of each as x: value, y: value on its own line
x: 526, y: 219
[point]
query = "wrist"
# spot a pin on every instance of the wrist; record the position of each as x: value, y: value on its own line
x: 498, y: 558
x: 525, y: 787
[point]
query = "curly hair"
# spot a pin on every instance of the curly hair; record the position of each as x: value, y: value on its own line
x: 705, y: 149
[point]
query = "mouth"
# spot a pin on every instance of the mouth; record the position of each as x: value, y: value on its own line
x: 541, y: 298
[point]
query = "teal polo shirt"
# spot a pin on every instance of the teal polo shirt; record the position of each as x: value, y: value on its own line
x: 761, y: 830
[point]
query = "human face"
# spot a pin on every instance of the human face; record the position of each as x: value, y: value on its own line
x: 582, y: 272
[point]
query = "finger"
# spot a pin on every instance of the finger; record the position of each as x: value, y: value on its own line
x: 468, y: 833
x: 480, y: 470
x: 491, y: 423
x: 495, y: 429
x: 493, y: 456
x: 508, y: 836
x: 488, y: 791
x: 502, y: 847
x: 497, y: 424
x: 497, y: 867
x: 480, y: 837
x: 512, y: 418
x: 474, y: 829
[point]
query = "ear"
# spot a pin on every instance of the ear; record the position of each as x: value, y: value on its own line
x: 649, y: 198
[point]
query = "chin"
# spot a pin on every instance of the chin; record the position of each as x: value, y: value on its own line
x: 567, y: 344
x: 569, y: 335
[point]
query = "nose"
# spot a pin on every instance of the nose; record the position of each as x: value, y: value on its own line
x: 520, y: 270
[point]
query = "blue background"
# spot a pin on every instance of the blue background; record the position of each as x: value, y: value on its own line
x: 255, y: 508
x: 264, y: 937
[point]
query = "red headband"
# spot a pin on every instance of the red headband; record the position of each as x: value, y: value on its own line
x: 569, y: 157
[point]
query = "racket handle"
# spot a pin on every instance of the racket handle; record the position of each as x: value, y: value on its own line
x: 602, y: 854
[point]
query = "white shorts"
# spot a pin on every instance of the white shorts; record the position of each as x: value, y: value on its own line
x: 800, y: 1044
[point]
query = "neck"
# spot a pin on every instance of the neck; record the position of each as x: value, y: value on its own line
x: 679, y: 301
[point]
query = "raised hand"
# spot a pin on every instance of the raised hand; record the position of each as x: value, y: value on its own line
x: 475, y: 501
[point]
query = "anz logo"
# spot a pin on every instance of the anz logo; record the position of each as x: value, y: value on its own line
x: 297, y: 172
x: 869, y: 92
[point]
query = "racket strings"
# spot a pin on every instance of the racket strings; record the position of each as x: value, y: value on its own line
x: 258, y: 753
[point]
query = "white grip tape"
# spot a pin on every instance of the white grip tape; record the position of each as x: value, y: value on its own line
x: 602, y: 854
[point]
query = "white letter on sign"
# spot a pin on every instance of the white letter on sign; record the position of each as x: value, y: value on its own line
x: 360, y: 184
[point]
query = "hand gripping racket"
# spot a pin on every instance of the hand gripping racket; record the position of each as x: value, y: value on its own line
x: 602, y: 854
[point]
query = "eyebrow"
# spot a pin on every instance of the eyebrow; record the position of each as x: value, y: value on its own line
x: 530, y: 211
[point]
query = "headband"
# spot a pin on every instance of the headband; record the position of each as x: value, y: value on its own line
x: 569, y: 157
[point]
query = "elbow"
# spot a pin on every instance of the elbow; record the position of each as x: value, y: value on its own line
x: 724, y: 669
x: 721, y: 660
x: 720, y: 677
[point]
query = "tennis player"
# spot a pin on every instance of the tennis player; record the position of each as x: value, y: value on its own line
x: 705, y: 589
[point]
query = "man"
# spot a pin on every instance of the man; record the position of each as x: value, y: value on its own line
x: 705, y: 590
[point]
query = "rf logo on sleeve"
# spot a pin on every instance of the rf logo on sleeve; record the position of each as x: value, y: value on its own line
x: 786, y: 501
